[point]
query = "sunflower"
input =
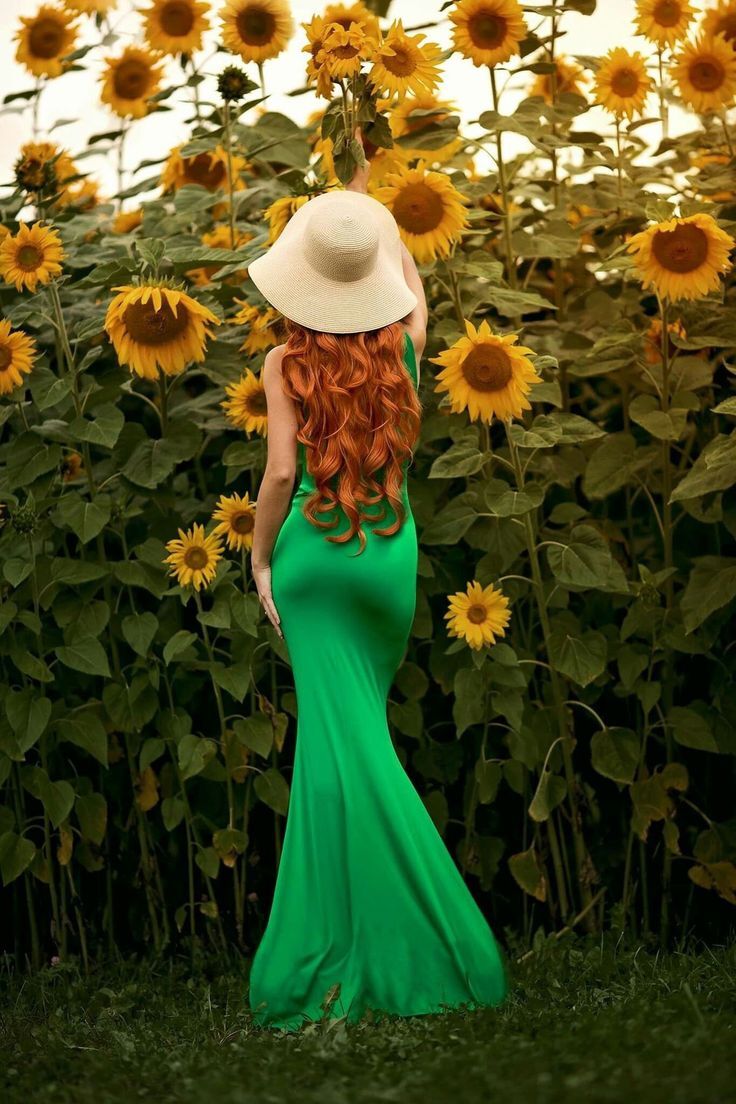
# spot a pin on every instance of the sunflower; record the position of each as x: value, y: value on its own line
x: 683, y: 257
x: 405, y: 63
x: 157, y: 328
x: 345, y: 14
x: 256, y: 29
x: 479, y: 615
x: 705, y: 73
x: 664, y: 22
x: 261, y: 334
x: 567, y: 78
x: 653, y: 340
x: 32, y: 257
x: 17, y: 352
x: 279, y: 213
x: 428, y: 209
x: 487, y: 374
x: 194, y: 557
x: 91, y: 7
x: 44, y: 39
x: 127, y: 221
x: 43, y: 168
x: 236, y: 517
x: 208, y: 169
x: 82, y: 195
x: 622, y: 83
x: 721, y: 20
x: 488, y: 32
x: 176, y: 26
x: 317, y: 73
x: 344, y: 51
x: 129, y: 81
x: 220, y: 238
x: 71, y: 467
x: 430, y: 112
x: 245, y: 406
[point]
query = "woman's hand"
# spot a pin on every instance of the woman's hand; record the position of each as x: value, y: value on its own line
x: 359, y: 181
x: 262, y: 578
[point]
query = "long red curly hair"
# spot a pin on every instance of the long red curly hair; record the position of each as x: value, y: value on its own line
x: 360, y: 419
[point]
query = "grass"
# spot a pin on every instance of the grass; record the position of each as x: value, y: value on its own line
x: 586, y: 1021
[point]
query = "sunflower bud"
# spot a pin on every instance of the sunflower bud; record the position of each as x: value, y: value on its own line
x: 24, y: 519
x: 233, y: 84
x: 33, y: 174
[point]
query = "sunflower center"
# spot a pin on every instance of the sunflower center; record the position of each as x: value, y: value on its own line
x: 29, y: 258
x: 196, y: 558
x: 346, y: 52
x: 46, y: 38
x: 256, y: 26
x: 131, y: 79
x: 203, y: 170
x: 256, y: 403
x: 477, y: 614
x: 6, y: 357
x: 177, y: 18
x: 401, y: 63
x: 707, y: 74
x: 625, y: 82
x: 487, y: 29
x: 149, y: 326
x: 418, y: 208
x: 681, y: 250
x: 726, y: 26
x: 487, y: 368
x: 667, y: 13
x: 242, y: 522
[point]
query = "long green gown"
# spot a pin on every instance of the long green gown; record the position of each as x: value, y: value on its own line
x: 367, y: 893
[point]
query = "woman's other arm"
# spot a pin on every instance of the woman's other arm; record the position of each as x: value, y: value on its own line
x: 416, y: 321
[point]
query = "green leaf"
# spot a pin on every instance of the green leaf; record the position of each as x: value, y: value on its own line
x: 664, y: 425
x: 453, y: 522
x: 85, y: 728
x: 462, y: 458
x: 194, y: 753
x: 468, y: 708
x: 30, y: 665
x: 711, y: 586
x: 16, y: 855
x: 172, y: 812
x: 87, y: 656
x: 528, y: 874
x: 150, y: 463
x: 16, y: 570
x: 236, y: 679
x: 57, y: 798
x: 91, y: 810
x: 615, y: 753
x: 550, y: 792
x: 273, y: 790
x: 610, y: 467
x: 86, y: 519
x: 692, y: 728
x: 488, y: 776
x: 103, y: 430
x: 503, y: 501
x: 255, y: 733
x: 76, y: 572
x: 139, y: 630
x: 580, y: 658
x: 584, y: 562
x: 714, y: 470
x: 177, y: 644
x: 728, y: 406
x: 153, y: 748
x: 28, y: 715
x: 513, y: 304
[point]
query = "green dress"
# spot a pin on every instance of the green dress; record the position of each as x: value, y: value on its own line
x: 367, y: 893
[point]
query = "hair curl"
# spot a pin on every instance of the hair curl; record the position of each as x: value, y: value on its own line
x: 360, y: 418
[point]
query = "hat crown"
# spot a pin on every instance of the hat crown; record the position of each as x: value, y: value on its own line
x: 342, y: 245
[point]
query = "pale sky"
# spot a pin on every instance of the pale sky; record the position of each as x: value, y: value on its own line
x: 75, y: 96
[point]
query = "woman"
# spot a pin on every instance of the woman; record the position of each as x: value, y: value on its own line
x: 369, y: 910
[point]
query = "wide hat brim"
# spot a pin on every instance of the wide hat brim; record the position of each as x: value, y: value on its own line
x: 286, y: 278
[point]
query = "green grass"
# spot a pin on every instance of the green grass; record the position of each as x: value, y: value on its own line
x: 586, y: 1021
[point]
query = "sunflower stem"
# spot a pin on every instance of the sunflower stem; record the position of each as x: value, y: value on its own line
x: 163, y: 407
x: 727, y: 133
x: 667, y: 671
x: 503, y: 188
x: 663, y: 108
x: 261, y: 77
x: 121, y: 163
x: 456, y: 298
x: 230, y: 182
x: 195, y: 90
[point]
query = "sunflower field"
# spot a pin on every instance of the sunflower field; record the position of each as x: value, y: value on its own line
x: 567, y: 704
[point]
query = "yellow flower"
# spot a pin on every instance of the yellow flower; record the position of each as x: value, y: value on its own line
x: 279, y: 213
x: 568, y: 77
x: 683, y: 257
x: 344, y: 51
x: 345, y: 14
x: 261, y: 333
x: 157, y: 328
x: 91, y: 7
x: 83, y: 195
x: 43, y: 167
x: 256, y: 29
x: 127, y: 221
x: 622, y: 83
x: 653, y: 340
x: 194, y: 557
x: 71, y: 467
x: 488, y: 32
x: 220, y: 238
x: 32, y: 257
x: 405, y: 63
x: 44, y: 39
x: 479, y: 615
x: 245, y: 407
x: 208, y: 169
x: 175, y: 26
x: 664, y: 22
x: 486, y: 374
x: 317, y: 73
x: 428, y: 209
x: 721, y: 20
x: 129, y: 81
x: 404, y: 121
x: 17, y: 353
x: 236, y: 517
x: 705, y: 73
x: 146, y: 789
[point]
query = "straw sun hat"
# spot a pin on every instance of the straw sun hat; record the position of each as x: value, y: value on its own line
x: 336, y: 267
